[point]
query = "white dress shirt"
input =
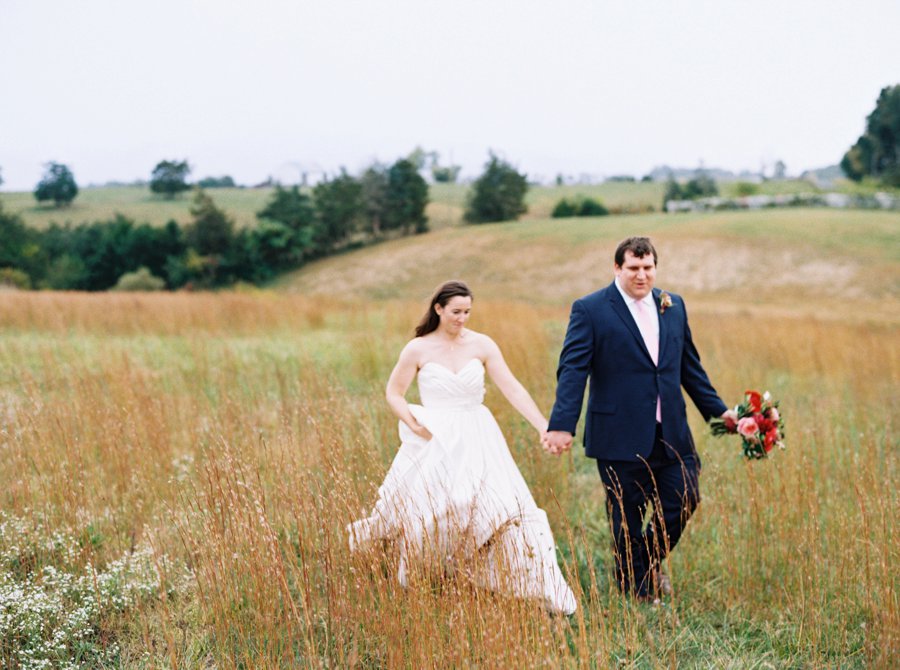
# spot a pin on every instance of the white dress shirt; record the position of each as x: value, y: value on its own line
x: 648, y: 304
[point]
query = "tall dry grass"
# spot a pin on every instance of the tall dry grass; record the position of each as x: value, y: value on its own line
x: 238, y: 434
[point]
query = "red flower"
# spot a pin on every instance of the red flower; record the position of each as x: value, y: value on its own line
x: 771, y: 439
x: 765, y: 425
x: 754, y: 400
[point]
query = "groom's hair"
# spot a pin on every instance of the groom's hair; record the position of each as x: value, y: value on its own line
x: 442, y: 295
x: 638, y: 246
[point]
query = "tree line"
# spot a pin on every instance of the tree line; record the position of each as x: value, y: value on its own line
x: 294, y: 227
x: 208, y: 252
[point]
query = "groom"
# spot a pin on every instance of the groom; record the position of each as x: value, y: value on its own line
x: 634, y: 343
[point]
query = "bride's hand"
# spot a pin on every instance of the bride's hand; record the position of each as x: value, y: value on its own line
x: 422, y: 432
x: 545, y: 443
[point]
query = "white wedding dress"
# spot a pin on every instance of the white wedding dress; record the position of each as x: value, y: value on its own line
x: 461, y: 499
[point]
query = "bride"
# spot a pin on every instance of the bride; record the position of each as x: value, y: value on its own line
x: 453, y: 493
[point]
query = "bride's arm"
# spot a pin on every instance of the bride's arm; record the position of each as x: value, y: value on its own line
x: 511, y: 388
x: 398, y: 383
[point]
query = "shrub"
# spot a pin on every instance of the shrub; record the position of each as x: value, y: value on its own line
x: 564, y: 209
x: 745, y: 188
x: 139, y: 280
x: 592, y: 207
x: 445, y: 174
x: 217, y: 182
x: 54, y: 613
x: 14, y: 278
x: 579, y: 207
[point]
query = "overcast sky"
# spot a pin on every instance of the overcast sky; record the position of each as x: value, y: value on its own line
x: 272, y: 87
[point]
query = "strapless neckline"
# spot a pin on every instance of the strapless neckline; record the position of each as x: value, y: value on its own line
x: 444, y: 367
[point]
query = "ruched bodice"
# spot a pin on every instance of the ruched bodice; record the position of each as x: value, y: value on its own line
x: 461, y: 492
x: 441, y: 388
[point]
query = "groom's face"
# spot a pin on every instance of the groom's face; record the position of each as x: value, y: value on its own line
x: 636, y: 275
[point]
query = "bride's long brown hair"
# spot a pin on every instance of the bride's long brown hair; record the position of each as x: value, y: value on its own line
x: 442, y: 295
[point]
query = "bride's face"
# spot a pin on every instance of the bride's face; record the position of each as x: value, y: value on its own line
x: 454, y: 314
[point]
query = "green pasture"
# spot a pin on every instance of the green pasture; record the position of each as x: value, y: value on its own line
x: 447, y: 202
x: 136, y: 202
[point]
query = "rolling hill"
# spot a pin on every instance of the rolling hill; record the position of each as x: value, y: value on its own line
x: 797, y: 258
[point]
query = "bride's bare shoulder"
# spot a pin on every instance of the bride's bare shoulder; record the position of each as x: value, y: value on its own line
x: 417, y: 349
x: 483, y: 343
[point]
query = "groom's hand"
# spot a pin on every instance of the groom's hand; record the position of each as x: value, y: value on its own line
x: 729, y: 414
x: 557, y: 441
x: 730, y: 417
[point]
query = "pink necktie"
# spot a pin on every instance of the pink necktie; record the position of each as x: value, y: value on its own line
x: 645, y: 325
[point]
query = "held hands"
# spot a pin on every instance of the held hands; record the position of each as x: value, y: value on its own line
x: 556, y: 442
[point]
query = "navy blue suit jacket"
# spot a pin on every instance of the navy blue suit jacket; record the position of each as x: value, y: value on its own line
x: 603, y: 342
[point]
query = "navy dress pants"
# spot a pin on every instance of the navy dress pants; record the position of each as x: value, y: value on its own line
x: 667, y: 487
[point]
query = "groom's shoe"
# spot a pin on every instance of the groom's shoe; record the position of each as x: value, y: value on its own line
x: 665, y: 585
x: 662, y: 585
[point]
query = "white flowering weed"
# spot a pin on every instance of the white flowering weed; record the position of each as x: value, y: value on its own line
x: 50, y: 616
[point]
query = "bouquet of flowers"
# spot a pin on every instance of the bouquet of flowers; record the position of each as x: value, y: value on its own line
x: 759, y: 424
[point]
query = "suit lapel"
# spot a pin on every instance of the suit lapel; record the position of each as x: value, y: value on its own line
x: 620, y: 308
x: 663, y: 329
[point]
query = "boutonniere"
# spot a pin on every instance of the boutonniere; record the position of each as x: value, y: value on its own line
x: 665, y: 301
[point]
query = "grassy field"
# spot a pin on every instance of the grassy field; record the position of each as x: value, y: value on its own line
x: 800, y: 260
x: 446, y: 208
x: 179, y: 468
x: 103, y: 203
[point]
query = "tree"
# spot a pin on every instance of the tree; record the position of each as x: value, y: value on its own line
x: 169, y: 178
x: 498, y: 194
x: 374, y: 197
x: 103, y: 250
x: 210, y: 243
x: 152, y: 246
x: 673, y: 191
x: 284, y: 236
x: 876, y: 151
x: 701, y: 186
x: 339, y: 206
x: 290, y: 207
x: 58, y: 184
x: 17, y: 248
x: 405, y: 198
x: 211, y: 231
